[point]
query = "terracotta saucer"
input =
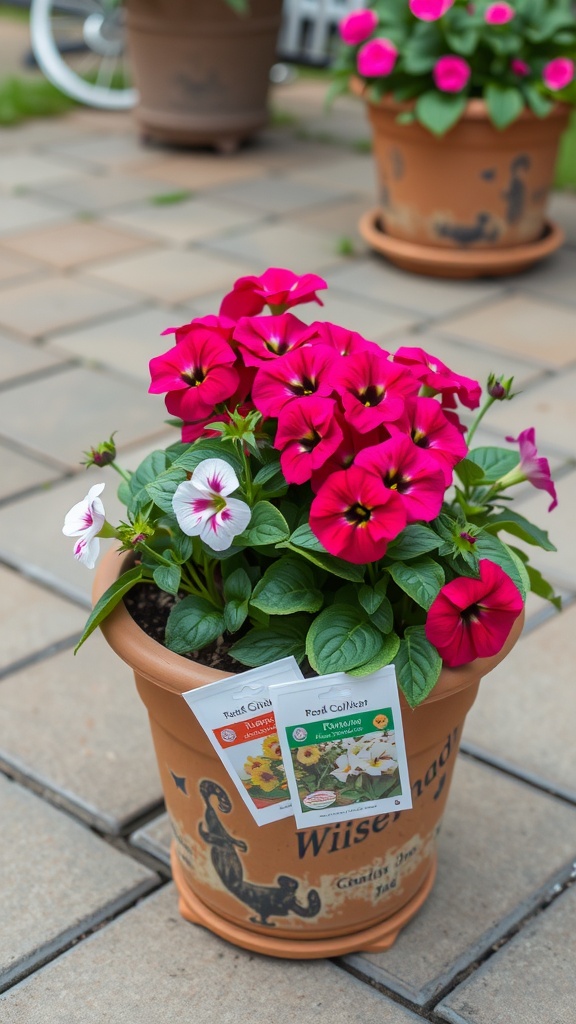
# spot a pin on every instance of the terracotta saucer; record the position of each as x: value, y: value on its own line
x: 435, y: 261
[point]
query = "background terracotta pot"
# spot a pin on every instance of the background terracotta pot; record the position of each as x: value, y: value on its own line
x: 202, y: 70
x: 474, y: 188
x: 297, y: 894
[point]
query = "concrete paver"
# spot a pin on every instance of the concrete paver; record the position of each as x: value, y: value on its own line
x: 37, y: 308
x: 187, y: 220
x: 74, y: 243
x: 19, y: 359
x: 49, y: 619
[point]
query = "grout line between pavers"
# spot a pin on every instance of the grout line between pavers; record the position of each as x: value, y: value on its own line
x: 475, y: 753
x: 41, y: 655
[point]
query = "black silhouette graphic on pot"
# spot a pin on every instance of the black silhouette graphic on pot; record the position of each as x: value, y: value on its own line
x: 467, y: 234
x: 515, y: 194
x: 266, y: 901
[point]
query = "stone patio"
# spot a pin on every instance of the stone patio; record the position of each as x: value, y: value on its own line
x: 93, y: 265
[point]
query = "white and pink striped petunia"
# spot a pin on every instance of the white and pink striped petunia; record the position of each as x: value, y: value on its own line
x: 84, y: 521
x: 204, y: 509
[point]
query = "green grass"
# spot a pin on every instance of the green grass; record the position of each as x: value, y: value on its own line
x: 21, y: 98
x: 565, y: 176
x: 16, y: 13
x: 170, y: 198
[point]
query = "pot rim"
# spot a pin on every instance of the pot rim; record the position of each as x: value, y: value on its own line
x: 177, y: 674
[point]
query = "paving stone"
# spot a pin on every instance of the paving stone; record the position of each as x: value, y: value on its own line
x: 103, y: 192
x: 549, y: 407
x: 17, y: 213
x: 63, y: 414
x: 502, y: 848
x: 280, y: 245
x: 530, y: 979
x: 277, y: 194
x: 172, y: 276
x: 554, y: 278
x: 185, y: 221
x: 339, y: 220
x: 522, y: 326
x: 72, y: 881
x: 372, y: 321
x: 21, y: 473
x: 194, y: 170
x: 48, y: 618
x: 154, y: 838
x: 111, y: 151
x: 24, y: 169
x: 525, y: 712
x: 152, y: 967
x: 75, y: 726
x: 375, y: 279
x: 13, y: 267
x: 476, y: 362
x: 69, y: 245
x: 37, y: 308
x: 353, y: 173
x: 562, y: 207
x: 18, y: 359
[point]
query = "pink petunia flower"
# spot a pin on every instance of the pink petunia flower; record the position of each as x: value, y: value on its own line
x: 558, y: 73
x: 261, y: 338
x: 355, y: 516
x: 377, y: 58
x: 345, y: 342
x: 277, y: 288
x: 451, y: 74
x: 410, y: 471
x: 221, y: 326
x: 428, y: 427
x: 372, y: 389
x: 357, y: 26
x: 429, y: 10
x: 352, y: 443
x: 196, y: 374
x: 499, y: 13
x: 472, y: 618
x: 204, y: 509
x: 298, y: 374
x: 308, y: 434
x: 520, y: 67
x: 436, y: 375
x: 85, y: 520
x: 531, y: 467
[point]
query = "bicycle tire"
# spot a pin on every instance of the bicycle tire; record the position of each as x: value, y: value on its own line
x: 89, y: 14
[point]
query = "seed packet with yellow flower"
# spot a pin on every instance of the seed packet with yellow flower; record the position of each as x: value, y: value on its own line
x: 343, y: 746
x: 237, y: 716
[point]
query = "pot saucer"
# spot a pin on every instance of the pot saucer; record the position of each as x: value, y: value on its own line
x: 436, y: 261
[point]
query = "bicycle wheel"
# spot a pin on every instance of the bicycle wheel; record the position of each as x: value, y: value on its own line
x: 79, y: 46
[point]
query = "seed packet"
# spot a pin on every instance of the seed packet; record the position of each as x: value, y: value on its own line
x: 343, y: 746
x: 237, y: 716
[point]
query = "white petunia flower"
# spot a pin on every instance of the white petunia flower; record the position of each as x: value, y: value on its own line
x: 85, y: 520
x: 203, y: 509
x: 343, y: 768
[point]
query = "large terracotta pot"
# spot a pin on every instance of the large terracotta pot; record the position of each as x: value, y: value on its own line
x: 473, y: 192
x: 202, y: 70
x: 271, y: 889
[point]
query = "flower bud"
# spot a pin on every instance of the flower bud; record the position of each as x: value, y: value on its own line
x: 102, y: 455
x: 499, y: 388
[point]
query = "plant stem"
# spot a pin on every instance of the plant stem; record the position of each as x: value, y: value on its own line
x: 125, y: 476
x: 489, y: 401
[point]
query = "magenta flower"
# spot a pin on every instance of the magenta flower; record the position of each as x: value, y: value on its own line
x: 372, y: 389
x: 558, y: 73
x: 532, y: 467
x: 377, y: 58
x: 261, y: 338
x: 429, y: 429
x: 298, y: 374
x: 436, y: 375
x: 345, y: 342
x: 520, y: 67
x: 307, y: 435
x: 84, y: 521
x: 204, y: 509
x: 451, y: 74
x: 410, y: 471
x: 221, y: 326
x: 197, y: 374
x: 352, y: 443
x: 472, y: 618
x: 277, y: 288
x: 429, y: 10
x: 357, y: 26
x: 355, y: 516
x: 499, y: 14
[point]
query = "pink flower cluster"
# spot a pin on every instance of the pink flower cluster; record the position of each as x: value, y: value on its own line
x: 359, y: 424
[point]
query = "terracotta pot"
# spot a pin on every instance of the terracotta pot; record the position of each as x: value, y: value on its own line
x: 271, y: 889
x: 202, y: 70
x: 475, y: 188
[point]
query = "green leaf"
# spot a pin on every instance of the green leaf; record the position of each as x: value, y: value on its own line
x: 505, y: 103
x: 370, y: 599
x: 110, y: 598
x: 539, y: 105
x: 413, y: 541
x: 162, y: 491
x: 192, y: 624
x: 438, y: 111
x: 342, y: 638
x: 267, y: 526
x: 386, y: 654
x: 287, y: 586
x: 469, y: 472
x: 201, y: 450
x: 260, y: 646
x: 271, y: 479
x: 488, y: 546
x: 237, y: 586
x: 418, y: 666
x: 541, y: 587
x: 520, y: 527
x: 306, y: 544
x: 421, y: 579
x: 494, y: 462
x: 167, y: 577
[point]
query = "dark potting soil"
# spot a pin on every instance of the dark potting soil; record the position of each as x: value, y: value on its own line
x: 150, y: 608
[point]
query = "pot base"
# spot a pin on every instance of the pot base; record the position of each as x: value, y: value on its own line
x: 376, y: 939
x: 434, y: 261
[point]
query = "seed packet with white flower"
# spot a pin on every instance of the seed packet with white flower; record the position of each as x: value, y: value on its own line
x: 343, y: 746
x: 237, y: 716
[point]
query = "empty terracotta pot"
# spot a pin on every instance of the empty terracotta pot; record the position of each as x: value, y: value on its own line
x: 316, y: 892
